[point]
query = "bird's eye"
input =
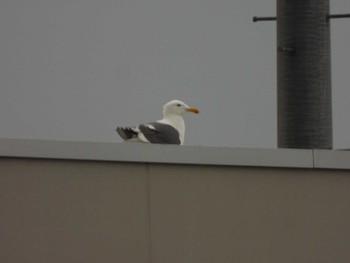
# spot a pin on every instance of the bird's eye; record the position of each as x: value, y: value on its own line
x: 179, y: 105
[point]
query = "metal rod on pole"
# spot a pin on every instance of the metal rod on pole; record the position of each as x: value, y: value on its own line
x: 338, y: 16
x: 266, y: 18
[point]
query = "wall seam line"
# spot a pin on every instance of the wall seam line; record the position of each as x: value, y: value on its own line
x: 149, y: 218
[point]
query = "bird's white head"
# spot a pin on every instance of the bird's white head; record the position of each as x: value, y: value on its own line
x: 178, y: 107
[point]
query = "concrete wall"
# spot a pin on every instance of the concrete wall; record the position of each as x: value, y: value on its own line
x: 66, y: 210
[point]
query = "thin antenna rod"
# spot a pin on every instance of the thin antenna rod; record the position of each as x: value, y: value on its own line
x: 339, y: 16
x: 266, y: 18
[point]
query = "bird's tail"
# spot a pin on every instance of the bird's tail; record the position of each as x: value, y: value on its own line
x: 127, y: 133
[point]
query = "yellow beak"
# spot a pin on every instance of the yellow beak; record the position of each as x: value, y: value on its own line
x: 192, y: 109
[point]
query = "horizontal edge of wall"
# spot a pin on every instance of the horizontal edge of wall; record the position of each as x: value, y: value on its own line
x: 151, y: 153
x: 327, y: 159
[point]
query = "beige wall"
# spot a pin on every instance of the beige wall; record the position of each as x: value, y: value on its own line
x: 81, y: 211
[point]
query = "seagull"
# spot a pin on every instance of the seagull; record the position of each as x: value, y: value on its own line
x: 169, y: 130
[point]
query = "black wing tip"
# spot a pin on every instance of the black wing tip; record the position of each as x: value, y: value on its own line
x: 119, y: 130
x: 126, y: 132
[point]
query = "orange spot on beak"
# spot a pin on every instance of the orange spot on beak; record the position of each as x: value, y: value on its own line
x: 192, y: 109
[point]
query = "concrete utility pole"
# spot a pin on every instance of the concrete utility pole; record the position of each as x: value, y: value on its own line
x: 304, y: 73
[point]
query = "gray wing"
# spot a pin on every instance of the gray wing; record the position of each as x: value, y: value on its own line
x: 162, y: 133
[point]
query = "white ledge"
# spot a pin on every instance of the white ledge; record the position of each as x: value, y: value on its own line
x: 173, y: 154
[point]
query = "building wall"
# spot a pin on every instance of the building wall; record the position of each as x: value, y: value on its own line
x: 92, y: 211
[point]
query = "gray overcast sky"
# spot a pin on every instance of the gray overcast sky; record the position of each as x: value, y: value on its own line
x: 73, y: 70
